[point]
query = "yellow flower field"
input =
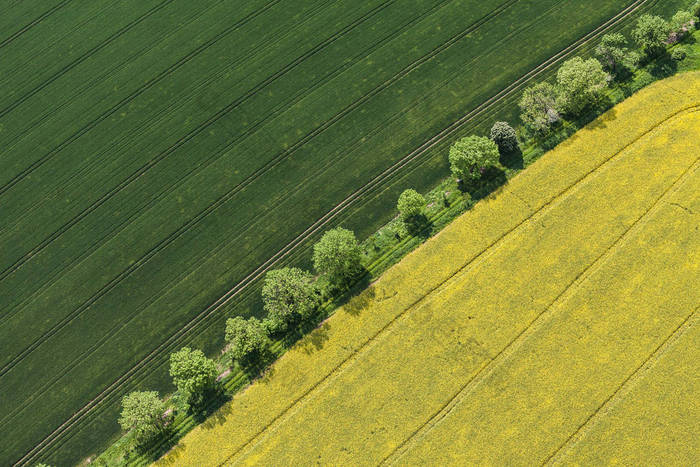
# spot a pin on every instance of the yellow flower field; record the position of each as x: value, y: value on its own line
x: 525, y: 332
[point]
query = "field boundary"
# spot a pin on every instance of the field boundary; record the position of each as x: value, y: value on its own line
x: 477, y: 259
x: 329, y: 216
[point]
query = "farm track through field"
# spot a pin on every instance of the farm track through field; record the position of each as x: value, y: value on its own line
x: 83, y: 57
x: 538, y: 321
x: 34, y: 22
x: 245, y: 182
x: 477, y: 259
x: 149, y: 84
x: 557, y: 456
x: 323, y: 221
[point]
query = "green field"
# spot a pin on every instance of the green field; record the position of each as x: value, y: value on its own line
x: 157, y: 156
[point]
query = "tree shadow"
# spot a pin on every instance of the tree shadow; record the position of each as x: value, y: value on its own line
x: 512, y: 159
x: 419, y: 226
x: 492, y: 179
x: 315, y: 340
x: 663, y: 65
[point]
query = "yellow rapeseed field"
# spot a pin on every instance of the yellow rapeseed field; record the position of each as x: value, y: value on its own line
x: 525, y: 332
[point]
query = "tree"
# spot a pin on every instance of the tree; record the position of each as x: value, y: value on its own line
x: 469, y: 157
x: 410, y: 204
x: 681, y: 23
x: 612, y: 50
x: 651, y: 34
x: 246, y: 339
x: 538, y: 107
x: 193, y: 374
x: 142, y: 414
x: 581, y: 84
x: 337, y: 256
x: 289, y: 294
x: 504, y: 136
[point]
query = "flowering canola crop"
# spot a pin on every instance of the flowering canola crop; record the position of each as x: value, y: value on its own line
x: 528, y: 331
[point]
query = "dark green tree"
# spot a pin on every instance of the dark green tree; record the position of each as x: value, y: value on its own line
x: 612, y: 51
x: 246, y: 339
x: 289, y: 295
x: 410, y: 204
x: 504, y: 136
x: 651, y: 34
x: 143, y: 415
x: 193, y: 374
x: 471, y: 156
x: 581, y: 84
x: 337, y: 256
x: 538, y: 109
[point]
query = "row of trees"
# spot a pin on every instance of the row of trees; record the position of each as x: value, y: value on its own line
x: 292, y: 296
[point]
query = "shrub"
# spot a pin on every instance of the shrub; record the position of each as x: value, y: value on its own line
x: 469, y: 157
x: 289, y: 294
x: 695, y: 9
x: 678, y: 54
x: 246, y: 339
x: 538, y: 107
x: 337, y: 256
x: 651, y: 34
x: 410, y: 204
x: 142, y: 414
x: 581, y: 84
x: 504, y: 136
x: 612, y: 51
x: 193, y: 374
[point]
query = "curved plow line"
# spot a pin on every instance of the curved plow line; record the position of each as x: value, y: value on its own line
x: 214, y: 157
x: 476, y: 260
x: 627, y: 385
x: 133, y: 95
x: 34, y: 22
x: 143, y: 169
x: 516, y: 343
x: 82, y: 58
x: 126, y: 272
x: 327, y: 218
x: 184, y: 229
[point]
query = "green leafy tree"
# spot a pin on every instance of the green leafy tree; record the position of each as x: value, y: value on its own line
x: 651, y: 34
x: 337, y: 256
x: 246, y: 339
x: 695, y: 9
x: 289, y: 294
x: 471, y: 156
x: 581, y: 84
x: 612, y: 51
x: 193, y: 374
x: 682, y: 22
x: 504, y: 136
x: 538, y: 109
x: 410, y: 204
x: 142, y: 414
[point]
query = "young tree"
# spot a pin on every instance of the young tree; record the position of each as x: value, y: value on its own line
x: 410, y: 204
x: 289, y: 294
x: 581, y: 84
x: 193, y: 374
x: 504, y: 136
x: 246, y: 339
x: 612, y: 51
x: 680, y: 24
x: 337, y: 256
x: 651, y: 34
x: 142, y: 414
x: 469, y: 157
x: 538, y: 107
